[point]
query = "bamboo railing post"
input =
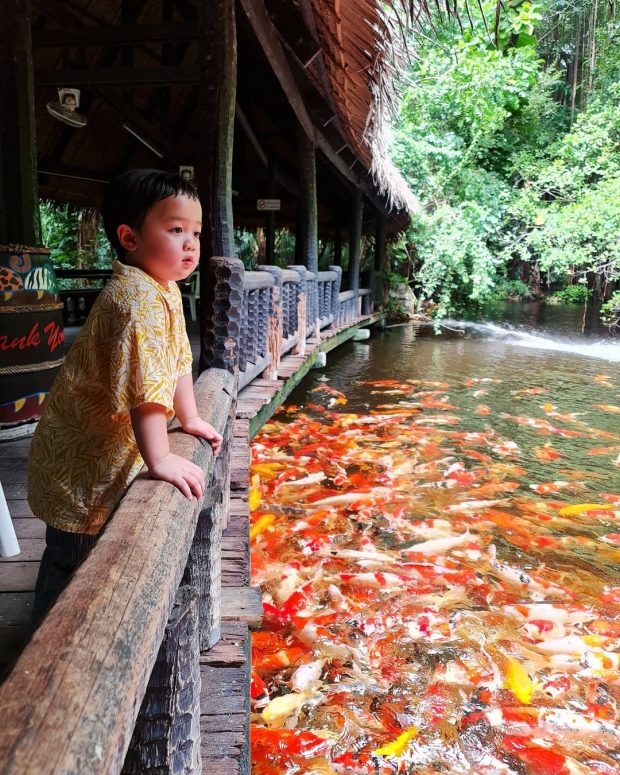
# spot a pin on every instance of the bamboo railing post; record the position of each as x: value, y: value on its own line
x: 335, y: 292
x: 166, y: 738
x: 300, y: 294
x: 274, y: 322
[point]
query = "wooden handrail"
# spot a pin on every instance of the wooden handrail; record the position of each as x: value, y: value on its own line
x: 76, y: 712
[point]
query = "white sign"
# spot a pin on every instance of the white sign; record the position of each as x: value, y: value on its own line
x: 267, y: 204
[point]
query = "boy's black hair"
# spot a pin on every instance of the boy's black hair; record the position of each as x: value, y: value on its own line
x: 130, y: 197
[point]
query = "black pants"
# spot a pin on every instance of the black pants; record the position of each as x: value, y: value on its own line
x: 63, y: 555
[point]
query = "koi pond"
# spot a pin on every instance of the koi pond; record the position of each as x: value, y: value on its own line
x: 436, y: 532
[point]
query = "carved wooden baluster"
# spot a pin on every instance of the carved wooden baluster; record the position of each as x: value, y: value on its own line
x: 166, y: 738
x: 293, y: 316
x: 275, y: 329
x: 223, y: 314
x: 263, y: 317
x: 285, y: 297
x: 252, y: 314
x: 334, y: 306
x: 300, y: 347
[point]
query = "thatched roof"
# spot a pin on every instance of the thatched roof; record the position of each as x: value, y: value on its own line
x: 360, y: 53
x: 350, y: 76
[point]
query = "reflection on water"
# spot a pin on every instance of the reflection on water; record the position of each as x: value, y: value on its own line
x: 435, y: 531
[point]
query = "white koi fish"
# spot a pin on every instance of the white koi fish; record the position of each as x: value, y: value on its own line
x: 306, y: 677
x: 477, y: 505
x: 440, y: 545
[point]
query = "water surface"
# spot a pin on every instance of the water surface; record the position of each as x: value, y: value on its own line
x: 435, y: 531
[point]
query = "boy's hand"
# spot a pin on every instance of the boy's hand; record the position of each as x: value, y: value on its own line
x: 198, y: 427
x: 182, y: 473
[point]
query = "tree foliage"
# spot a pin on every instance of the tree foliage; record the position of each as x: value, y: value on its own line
x: 516, y: 175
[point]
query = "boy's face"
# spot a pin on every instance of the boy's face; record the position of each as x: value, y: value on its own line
x: 167, y: 247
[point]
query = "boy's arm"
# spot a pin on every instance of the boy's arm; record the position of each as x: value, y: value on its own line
x: 149, y: 426
x: 185, y: 409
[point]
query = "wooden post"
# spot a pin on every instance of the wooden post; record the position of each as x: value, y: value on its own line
x: 380, y: 241
x: 222, y: 313
x: 215, y: 122
x: 274, y: 322
x: 166, y: 738
x: 270, y: 225
x: 338, y: 246
x: 300, y: 293
x: 308, y: 213
x: 204, y: 567
x: 335, y: 293
x: 19, y: 200
x: 381, y: 285
x: 355, y: 241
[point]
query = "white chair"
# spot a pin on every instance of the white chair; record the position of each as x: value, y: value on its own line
x: 191, y: 291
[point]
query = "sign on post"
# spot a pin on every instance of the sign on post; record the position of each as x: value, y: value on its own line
x: 267, y: 204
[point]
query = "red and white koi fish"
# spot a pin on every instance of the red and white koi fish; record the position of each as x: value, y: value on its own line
x: 542, y: 760
x: 548, y: 723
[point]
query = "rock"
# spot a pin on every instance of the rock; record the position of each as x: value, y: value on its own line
x: 404, y: 297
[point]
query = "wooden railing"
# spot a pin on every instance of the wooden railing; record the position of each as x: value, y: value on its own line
x: 110, y: 682
x: 147, y: 599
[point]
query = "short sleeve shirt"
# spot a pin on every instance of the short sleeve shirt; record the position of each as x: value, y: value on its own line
x: 131, y: 351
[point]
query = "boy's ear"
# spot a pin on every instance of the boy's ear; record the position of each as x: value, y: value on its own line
x: 127, y: 237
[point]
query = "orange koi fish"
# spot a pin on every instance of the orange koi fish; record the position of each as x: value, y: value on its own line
x: 547, y: 454
x: 529, y: 391
x: 327, y: 389
x: 549, y: 410
x: 483, y: 409
x: 607, y: 408
x: 603, y: 450
x: 549, y: 488
x: 267, y: 742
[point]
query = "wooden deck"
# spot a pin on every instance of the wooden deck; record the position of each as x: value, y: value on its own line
x: 225, y: 669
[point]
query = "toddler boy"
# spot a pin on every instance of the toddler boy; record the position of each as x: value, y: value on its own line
x: 128, y: 372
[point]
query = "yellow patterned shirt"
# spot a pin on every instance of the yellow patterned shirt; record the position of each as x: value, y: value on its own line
x: 131, y: 351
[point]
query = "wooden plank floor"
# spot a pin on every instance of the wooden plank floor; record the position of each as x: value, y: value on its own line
x: 225, y: 670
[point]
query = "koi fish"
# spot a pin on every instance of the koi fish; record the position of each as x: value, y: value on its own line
x: 259, y: 694
x: 327, y: 389
x: 542, y: 760
x: 307, y: 676
x: 399, y: 746
x: 547, y: 454
x: 278, y: 710
x: 607, y: 408
x: 480, y: 381
x: 583, y: 508
x: 553, y: 723
x: 476, y: 505
x: 440, y: 545
x: 292, y: 742
x: 518, y: 681
x: 529, y: 391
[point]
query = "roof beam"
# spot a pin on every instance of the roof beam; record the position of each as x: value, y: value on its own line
x: 120, y: 35
x: 292, y: 29
x: 125, y: 78
x: 268, y: 38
